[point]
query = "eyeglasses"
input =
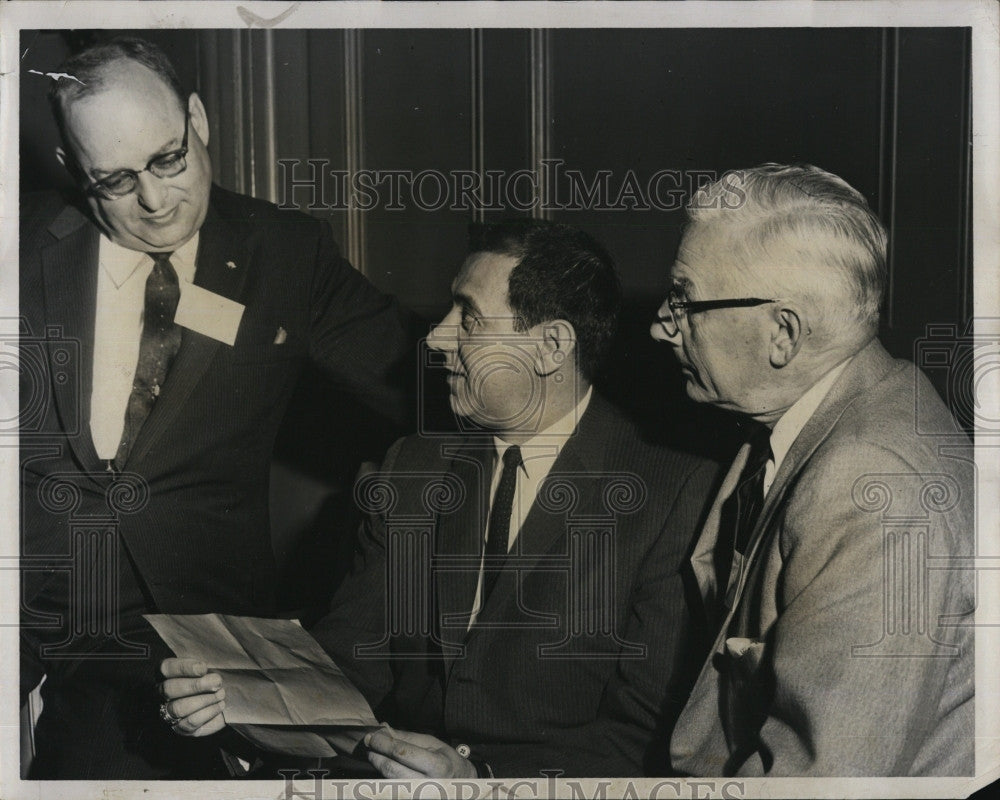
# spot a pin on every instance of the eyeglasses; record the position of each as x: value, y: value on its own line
x: 166, y: 165
x: 678, y: 308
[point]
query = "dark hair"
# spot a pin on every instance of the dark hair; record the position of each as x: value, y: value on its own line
x: 561, y: 273
x: 89, y: 68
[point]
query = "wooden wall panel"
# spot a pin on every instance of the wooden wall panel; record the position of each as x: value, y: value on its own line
x: 417, y: 112
x: 929, y: 264
x: 707, y: 100
x: 886, y: 109
x: 324, y: 88
x: 506, y: 85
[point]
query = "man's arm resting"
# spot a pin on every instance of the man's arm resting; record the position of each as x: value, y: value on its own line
x: 416, y: 756
x: 360, y: 336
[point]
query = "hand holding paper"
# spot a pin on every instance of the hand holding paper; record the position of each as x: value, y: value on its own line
x: 195, y: 695
x: 282, y: 691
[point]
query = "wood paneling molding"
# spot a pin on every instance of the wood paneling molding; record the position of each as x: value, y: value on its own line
x: 541, y: 105
x: 354, y: 140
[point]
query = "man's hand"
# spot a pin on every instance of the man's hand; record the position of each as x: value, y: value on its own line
x: 401, y: 754
x: 193, y: 694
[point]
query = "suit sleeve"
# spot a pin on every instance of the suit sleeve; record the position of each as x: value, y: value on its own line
x: 359, y: 335
x: 357, y: 611
x: 838, y: 694
x: 644, y: 696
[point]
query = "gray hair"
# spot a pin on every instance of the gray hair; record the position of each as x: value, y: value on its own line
x: 828, y: 220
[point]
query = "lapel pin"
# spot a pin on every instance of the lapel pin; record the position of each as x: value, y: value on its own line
x: 231, y: 265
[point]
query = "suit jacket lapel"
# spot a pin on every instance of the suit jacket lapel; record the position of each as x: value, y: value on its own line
x: 700, y: 718
x: 702, y: 555
x: 459, y: 540
x: 218, y: 245
x: 582, y: 455
x: 866, y: 368
x: 69, y: 267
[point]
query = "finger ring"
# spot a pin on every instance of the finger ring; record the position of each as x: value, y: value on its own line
x: 167, y: 717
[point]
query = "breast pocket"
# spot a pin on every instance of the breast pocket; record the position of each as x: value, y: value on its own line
x: 264, y: 353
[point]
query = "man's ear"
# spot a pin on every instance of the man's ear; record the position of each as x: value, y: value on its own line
x: 788, y: 334
x: 199, y: 119
x: 556, y: 346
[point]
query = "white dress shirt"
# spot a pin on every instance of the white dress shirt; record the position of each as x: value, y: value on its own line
x: 787, y: 429
x: 121, y: 294
x: 538, y: 454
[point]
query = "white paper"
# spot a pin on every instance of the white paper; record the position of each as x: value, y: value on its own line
x: 209, y: 313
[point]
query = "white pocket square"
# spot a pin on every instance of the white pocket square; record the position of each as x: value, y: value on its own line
x: 746, y: 653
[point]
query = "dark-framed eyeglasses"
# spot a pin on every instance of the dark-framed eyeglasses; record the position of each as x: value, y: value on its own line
x: 678, y: 308
x: 165, y: 165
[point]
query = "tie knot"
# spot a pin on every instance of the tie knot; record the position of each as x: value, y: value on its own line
x: 512, y: 457
x: 160, y: 258
x: 758, y: 436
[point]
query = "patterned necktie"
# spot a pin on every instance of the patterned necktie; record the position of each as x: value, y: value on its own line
x: 498, y: 532
x: 160, y: 341
x: 742, y: 508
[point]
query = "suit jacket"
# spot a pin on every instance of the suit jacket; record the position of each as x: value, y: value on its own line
x: 188, y: 516
x: 577, y: 659
x: 847, y: 649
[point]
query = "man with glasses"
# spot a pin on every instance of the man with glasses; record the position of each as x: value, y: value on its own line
x: 840, y: 651
x: 176, y: 319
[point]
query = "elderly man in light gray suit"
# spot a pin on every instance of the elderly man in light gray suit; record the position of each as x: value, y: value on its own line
x: 828, y: 561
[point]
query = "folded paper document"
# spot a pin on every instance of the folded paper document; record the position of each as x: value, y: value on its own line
x: 283, y: 692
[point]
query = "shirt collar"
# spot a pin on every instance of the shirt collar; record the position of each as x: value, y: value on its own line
x: 121, y: 263
x: 545, y: 445
x: 787, y: 429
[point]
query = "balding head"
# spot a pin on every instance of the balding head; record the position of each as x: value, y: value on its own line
x: 135, y: 144
x: 93, y: 68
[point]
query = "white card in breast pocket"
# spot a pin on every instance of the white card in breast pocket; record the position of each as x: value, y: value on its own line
x: 209, y: 314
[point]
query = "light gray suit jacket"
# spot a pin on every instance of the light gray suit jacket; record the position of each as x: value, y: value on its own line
x: 847, y: 648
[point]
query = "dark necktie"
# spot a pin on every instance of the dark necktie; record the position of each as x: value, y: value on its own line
x: 742, y: 508
x: 159, y: 343
x: 498, y: 533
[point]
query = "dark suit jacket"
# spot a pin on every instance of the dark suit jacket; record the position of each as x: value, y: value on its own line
x: 848, y: 649
x: 576, y: 661
x: 190, y: 511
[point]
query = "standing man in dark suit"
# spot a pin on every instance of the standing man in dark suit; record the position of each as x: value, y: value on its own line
x: 174, y: 318
x: 832, y: 558
x: 517, y: 603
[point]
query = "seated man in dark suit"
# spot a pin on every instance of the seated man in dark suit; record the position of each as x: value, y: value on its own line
x: 835, y: 557
x: 529, y: 614
x: 172, y: 320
